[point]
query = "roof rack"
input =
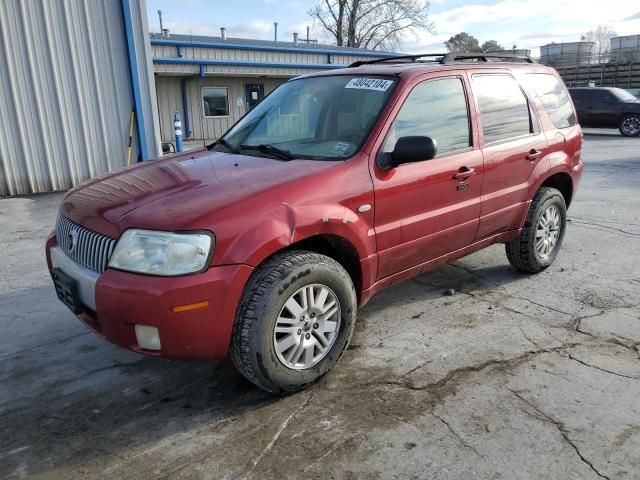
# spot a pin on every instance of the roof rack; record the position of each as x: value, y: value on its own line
x: 446, y: 58
x: 484, y: 57
x: 403, y: 58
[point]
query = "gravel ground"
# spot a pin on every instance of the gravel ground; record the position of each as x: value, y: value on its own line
x: 513, y: 377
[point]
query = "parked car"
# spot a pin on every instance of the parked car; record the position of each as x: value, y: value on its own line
x: 335, y: 186
x: 602, y: 107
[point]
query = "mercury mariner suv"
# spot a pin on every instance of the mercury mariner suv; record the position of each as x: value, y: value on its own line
x: 338, y: 184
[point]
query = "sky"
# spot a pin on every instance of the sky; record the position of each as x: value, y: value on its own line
x: 525, y: 23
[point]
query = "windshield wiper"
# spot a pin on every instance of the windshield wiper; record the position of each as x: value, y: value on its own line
x: 271, y: 150
x: 229, y: 145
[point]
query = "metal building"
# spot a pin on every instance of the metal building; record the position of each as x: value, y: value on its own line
x: 213, y: 81
x: 71, y: 73
x: 625, y: 49
x: 567, y: 54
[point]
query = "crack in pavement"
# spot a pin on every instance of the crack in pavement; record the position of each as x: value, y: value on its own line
x: 561, y: 429
x: 532, y: 342
x: 615, y: 222
x: 541, y: 305
x: 582, y: 362
x: 605, y: 227
x: 332, y: 448
x: 283, y: 426
x: 453, y: 374
x: 576, y: 322
x: 457, y: 435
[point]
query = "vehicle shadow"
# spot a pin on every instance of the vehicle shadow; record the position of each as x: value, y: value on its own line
x: 603, y: 136
x: 134, y: 402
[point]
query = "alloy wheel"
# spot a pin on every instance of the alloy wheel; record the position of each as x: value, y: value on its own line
x: 307, y: 326
x: 548, y: 231
x: 631, y: 126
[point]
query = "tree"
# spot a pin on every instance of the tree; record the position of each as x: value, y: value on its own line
x: 462, y: 42
x: 371, y: 24
x: 601, y: 37
x: 491, y: 46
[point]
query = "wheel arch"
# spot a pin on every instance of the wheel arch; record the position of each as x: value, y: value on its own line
x: 561, y: 181
x: 333, y: 246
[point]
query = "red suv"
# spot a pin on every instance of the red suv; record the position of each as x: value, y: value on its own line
x: 337, y: 185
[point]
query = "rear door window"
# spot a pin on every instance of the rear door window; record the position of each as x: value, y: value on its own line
x: 606, y: 97
x: 437, y: 109
x: 554, y: 98
x: 504, y: 108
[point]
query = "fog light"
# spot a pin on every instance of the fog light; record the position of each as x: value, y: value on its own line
x: 148, y: 337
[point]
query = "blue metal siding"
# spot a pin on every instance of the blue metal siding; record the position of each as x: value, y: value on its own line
x: 241, y: 63
x: 136, y: 87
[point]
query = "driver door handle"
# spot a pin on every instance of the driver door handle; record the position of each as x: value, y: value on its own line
x: 533, y: 154
x: 464, y: 173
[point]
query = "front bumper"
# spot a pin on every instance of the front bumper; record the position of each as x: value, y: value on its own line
x: 121, y: 300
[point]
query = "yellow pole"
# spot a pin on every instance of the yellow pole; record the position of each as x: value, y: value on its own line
x: 130, y: 138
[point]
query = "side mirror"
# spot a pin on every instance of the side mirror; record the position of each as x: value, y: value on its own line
x: 409, y: 150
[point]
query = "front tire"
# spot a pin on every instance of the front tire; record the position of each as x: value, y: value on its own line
x: 295, y: 319
x: 630, y: 126
x: 542, y: 234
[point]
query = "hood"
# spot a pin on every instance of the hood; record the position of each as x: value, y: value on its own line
x: 173, y: 193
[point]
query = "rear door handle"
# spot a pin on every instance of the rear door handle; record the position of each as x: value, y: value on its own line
x: 534, y: 154
x: 464, y: 173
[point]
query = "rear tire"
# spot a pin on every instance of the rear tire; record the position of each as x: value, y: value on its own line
x: 630, y: 125
x: 542, y: 234
x: 283, y: 340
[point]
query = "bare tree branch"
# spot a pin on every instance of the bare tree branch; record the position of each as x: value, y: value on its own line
x: 601, y: 37
x: 371, y: 23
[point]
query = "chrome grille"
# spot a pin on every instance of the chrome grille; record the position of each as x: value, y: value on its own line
x: 85, y: 247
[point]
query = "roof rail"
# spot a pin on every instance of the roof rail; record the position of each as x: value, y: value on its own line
x: 407, y: 58
x: 445, y: 58
x: 453, y: 57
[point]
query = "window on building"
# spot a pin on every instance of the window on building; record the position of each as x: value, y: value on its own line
x: 436, y: 109
x: 215, y: 101
x: 504, y: 108
x: 554, y: 98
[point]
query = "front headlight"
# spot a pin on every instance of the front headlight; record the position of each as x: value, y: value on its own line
x: 162, y: 253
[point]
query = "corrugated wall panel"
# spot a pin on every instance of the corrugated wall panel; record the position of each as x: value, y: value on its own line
x: 65, y: 92
x: 170, y: 100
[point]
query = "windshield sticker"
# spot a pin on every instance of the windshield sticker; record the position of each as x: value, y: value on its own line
x: 369, y: 84
x: 340, y: 148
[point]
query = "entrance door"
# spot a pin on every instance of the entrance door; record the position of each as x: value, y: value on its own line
x: 253, y: 93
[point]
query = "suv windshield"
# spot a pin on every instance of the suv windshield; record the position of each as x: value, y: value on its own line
x: 324, y: 118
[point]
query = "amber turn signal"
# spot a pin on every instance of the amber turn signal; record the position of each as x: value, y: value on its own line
x: 189, y: 306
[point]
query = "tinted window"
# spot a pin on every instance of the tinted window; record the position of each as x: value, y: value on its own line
x: 436, y: 109
x: 554, y: 98
x: 607, y: 97
x: 577, y: 95
x: 503, y: 106
x: 215, y: 102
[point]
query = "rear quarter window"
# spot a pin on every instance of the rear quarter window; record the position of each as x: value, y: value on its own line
x: 554, y: 98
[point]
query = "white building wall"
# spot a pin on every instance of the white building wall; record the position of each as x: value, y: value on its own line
x: 65, y: 92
